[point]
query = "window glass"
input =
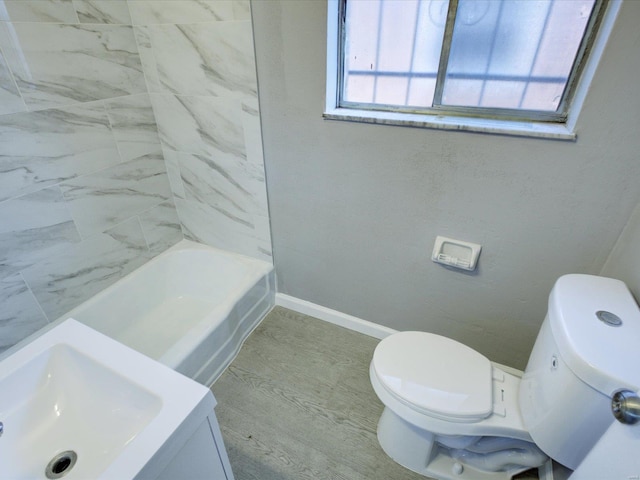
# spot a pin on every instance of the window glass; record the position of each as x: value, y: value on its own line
x: 514, y: 54
x: 392, y: 51
x: 461, y: 55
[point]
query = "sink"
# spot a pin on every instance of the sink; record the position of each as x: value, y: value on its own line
x: 63, y: 400
x: 76, y: 404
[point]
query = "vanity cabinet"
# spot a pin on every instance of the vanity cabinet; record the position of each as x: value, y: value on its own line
x: 203, y: 456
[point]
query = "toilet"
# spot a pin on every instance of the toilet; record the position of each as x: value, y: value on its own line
x: 450, y: 413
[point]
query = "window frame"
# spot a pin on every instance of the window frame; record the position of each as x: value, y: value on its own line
x: 489, y: 120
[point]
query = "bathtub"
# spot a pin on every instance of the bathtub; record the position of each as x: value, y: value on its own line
x: 190, y: 308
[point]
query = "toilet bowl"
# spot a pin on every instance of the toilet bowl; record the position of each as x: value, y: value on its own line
x: 450, y: 413
x: 451, y: 404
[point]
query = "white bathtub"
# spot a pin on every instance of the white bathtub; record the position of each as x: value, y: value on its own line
x: 189, y: 308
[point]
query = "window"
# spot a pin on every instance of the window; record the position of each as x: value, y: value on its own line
x: 509, y: 60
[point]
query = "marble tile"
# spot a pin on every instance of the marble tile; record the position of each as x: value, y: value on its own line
x: 10, y: 99
x: 182, y: 11
x: 39, y: 149
x: 234, y: 187
x: 30, y: 226
x: 45, y: 11
x: 203, y: 223
x: 134, y: 126
x: 20, y: 314
x: 57, y: 64
x: 262, y: 226
x: 252, y: 131
x: 241, y: 10
x: 147, y: 58
x: 100, y: 200
x: 205, y: 59
x: 200, y: 125
x: 172, y: 162
x: 161, y: 227
x: 73, y: 274
x: 103, y: 11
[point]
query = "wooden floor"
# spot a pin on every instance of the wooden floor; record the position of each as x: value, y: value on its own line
x: 296, y: 403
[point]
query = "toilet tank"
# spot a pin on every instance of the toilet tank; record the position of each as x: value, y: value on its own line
x: 586, y: 350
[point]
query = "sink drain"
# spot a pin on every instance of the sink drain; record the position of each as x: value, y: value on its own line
x: 61, y: 464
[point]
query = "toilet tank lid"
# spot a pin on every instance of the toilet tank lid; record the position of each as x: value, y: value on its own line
x: 435, y: 375
x: 596, y: 324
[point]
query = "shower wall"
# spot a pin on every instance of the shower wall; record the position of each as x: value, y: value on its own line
x: 90, y: 176
x: 198, y: 59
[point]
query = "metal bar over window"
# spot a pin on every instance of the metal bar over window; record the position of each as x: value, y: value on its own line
x: 535, y: 57
x: 413, y: 51
x: 493, y: 47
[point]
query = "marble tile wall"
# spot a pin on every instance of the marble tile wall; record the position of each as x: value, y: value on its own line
x: 198, y: 60
x: 124, y: 125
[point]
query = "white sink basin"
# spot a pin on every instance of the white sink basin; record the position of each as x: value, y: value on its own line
x: 74, y: 389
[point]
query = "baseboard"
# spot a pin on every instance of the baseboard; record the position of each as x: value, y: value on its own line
x: 333, y: 316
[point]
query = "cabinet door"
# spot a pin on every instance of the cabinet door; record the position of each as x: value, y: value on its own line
x: 198, y: 459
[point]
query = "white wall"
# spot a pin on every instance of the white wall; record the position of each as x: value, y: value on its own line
x: 355, y: 207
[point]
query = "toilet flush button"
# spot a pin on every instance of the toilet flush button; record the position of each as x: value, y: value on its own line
x: 457, y: 468
x: 609, y: 318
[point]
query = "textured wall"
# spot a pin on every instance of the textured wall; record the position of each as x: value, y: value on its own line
x: 355, y: 208
x: 85, y: 196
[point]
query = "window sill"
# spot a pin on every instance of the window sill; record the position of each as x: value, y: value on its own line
x: 446, y: 122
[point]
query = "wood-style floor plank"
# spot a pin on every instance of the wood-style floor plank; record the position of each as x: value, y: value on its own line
x: 296, y: 403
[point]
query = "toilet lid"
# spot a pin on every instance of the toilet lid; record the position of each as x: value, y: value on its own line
x: 435, y: 375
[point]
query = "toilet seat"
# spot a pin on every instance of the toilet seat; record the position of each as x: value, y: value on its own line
x: 435, y: 376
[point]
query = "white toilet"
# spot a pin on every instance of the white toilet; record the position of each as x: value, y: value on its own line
x: 452, y: 414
